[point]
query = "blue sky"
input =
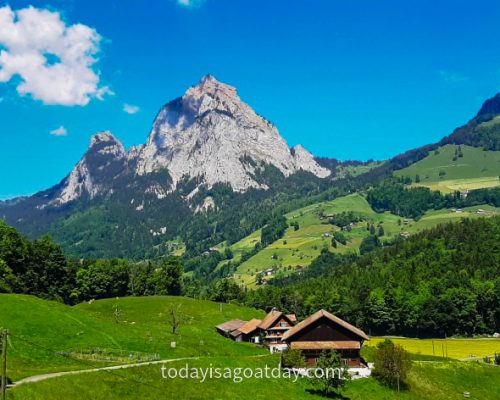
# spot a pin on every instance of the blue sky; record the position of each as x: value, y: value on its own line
x: 347, y: 79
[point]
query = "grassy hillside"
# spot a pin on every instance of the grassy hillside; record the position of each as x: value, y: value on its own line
x: 45, y: 333
x: 300, y: 247
x: 47, y: 328
x: 446, y: 171
x: 436, y: 381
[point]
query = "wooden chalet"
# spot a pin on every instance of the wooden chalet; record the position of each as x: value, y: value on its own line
x: 324, y: 331
x: 240, y: 331
x: 274, y: 326
x: 230, y: 328
x: 249, y: 332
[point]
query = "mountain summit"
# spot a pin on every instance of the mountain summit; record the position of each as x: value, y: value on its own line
x: 104, y: 160
x: 208, y: 135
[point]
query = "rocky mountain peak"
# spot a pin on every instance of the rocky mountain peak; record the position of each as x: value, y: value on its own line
x: 105, y: 136
x: 210, y: 95
x: 211, y: 134
x: 210, y: 85
x: 106, y: 143
x: 105, y: 159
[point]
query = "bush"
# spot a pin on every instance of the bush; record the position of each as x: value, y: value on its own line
x: 392, y: 364
x: 344, y: 219
x: 273, y: 231
x: 331, y: 382
x: 292, y: 358
x: 340, y: 237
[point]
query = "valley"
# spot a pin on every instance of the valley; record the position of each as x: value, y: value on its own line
x: 298, y: 248
x: 265, y: 200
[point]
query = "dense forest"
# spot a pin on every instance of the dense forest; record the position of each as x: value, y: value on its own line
x: 40, y: 268
x: 441, y: 282
x: 393, y: 196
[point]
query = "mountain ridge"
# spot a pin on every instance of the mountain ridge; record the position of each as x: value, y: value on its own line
x: 190, y: 180
x: 208, y: 134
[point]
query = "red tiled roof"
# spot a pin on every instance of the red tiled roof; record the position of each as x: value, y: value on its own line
x: 320, y: 314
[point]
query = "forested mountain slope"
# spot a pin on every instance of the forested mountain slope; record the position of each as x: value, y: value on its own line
x: 443, y: 281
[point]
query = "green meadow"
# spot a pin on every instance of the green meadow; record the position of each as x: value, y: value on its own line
x: 427, y: 380
x: 40, y: 341
x: 442, y: 171
x: 300, y: 247
x: 47, y: 336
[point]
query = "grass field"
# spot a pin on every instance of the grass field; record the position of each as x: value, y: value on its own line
x: 461, y: 185
x: 301, y: 247
x: 452, y: 348
x: 42, y: 329
x: 436, y: 381
x: 438, y: 171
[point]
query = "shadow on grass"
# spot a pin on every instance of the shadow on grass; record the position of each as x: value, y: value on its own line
x: 331, y: 395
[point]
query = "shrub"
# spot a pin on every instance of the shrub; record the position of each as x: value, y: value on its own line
x: 331, y: 382
x: 392, y: 364
x: 292, y: 358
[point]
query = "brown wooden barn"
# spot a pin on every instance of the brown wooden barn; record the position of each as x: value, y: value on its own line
x: 324, y: 331
x: 240, y: 331
x: 230, y: 328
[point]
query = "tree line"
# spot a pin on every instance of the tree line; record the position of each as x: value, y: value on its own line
x: 390, y: 195
x: 441, y: 282
x: 40, y: 268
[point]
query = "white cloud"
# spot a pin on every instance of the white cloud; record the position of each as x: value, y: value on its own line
x: 130, y: 109
x: 103, y: 91
x: 53, y: 60
x: 61, y: 131
x: 190, y: 3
